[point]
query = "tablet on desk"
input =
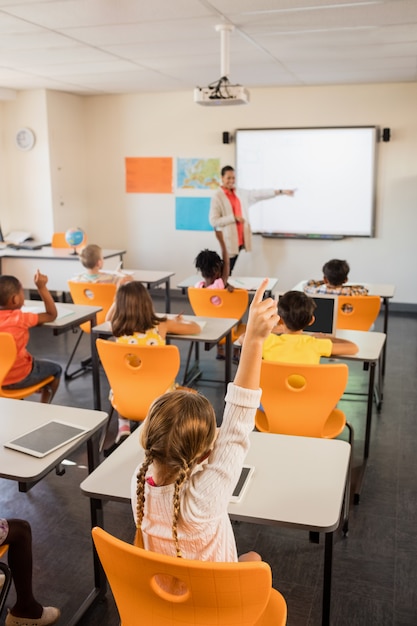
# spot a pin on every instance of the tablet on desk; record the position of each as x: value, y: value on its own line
x: 45, y: 439
x: 242, y: 483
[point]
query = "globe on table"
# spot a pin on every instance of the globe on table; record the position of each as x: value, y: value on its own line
x: 74, y: 237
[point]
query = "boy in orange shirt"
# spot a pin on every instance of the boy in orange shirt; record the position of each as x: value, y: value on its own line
x: 26, y: 370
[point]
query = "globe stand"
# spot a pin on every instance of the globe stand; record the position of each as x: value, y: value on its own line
x: 74, y: 251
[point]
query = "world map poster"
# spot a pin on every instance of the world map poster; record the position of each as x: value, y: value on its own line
x: 198, y: 173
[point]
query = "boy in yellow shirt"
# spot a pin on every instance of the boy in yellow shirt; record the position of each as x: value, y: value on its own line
x: 288, y: 344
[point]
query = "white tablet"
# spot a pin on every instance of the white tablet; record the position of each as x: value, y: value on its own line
x: 242, y: 483
x: 45, y: 439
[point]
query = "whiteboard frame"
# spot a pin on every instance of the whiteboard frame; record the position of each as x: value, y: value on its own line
x: 252, y: 177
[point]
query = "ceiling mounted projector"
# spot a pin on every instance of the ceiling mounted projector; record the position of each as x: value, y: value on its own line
x: 221, y: 92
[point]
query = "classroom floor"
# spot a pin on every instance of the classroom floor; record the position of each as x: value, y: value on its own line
x: 374, y: 568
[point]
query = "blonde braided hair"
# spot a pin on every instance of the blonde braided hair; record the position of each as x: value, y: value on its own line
x: 179, y: 430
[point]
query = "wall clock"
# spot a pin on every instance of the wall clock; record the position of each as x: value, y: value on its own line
x: 25, y: 139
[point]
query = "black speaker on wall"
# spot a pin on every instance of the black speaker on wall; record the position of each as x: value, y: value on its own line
x: 386, y: 134
x: 227, y: 137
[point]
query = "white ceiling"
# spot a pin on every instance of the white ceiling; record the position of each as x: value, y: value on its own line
x: 128, y: 46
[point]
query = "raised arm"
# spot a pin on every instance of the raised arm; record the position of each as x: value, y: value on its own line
x: 225, y: 256
x: 263, y: 317
x: 50, y: 308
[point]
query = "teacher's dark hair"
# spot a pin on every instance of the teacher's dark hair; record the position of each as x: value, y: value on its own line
x: 226, y: 168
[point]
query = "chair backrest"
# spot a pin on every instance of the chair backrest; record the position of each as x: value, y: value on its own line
x: 137, y: 374
x: 213, y: 594
x: 357, y: 312
x: 8, y: 353
x: 298, y: 399
x: 59, y: 241
x: 218, y: 302
x: 93, y: 294
x: 7, y: 576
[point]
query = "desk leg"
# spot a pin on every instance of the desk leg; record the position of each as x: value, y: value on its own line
x: 384, y: 349
x: 167, y: 296
x: 100, y: 580
x: 96, y: 372
x: 327, y: 578
x: 367, y: 444
x: 228, y: 360
x: 96, y: 514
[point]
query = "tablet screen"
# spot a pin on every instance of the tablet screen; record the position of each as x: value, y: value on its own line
x: 242, y: 483
x: 45, y: 439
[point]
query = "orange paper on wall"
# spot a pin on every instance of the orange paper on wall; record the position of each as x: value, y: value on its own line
x: 148, y: 174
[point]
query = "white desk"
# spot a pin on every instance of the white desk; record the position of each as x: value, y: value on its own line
x: 18, y: 417
x: 153, y: 278
x: 213, y: 331
x: 384, y: 291
x: 77, y: 314
x: 59, y: 264
x: 307, y: 490
x: 250, y: 283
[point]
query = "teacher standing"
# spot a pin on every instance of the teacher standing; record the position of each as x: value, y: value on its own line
x: 229, y: 210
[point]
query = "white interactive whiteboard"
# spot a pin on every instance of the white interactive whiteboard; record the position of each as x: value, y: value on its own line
x: 332, y: 169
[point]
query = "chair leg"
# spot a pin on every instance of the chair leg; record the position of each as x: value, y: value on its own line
x: 105, y: 430
x: 84, y: 364
x: 191, y: 374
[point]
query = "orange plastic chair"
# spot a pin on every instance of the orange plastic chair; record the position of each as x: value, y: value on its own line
x: 137, y: 374
x: 91, y: 294
x: 8, y: 353
x: 301, y: 400
x: 357, y: 312
x: 59, y: 241
x: 220, y: 303
x: 213, y: 594
x: 217, y: 303
x: 7, y: 577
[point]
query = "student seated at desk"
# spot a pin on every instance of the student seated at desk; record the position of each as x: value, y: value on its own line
x: 289, y: 344
x: 18, y: 535
x: 215, y: 272
x: 335, y: 275
x: 27, y: 370
x: 92, y: 259
x: 292, y: 345
x: 134, y: 321
x: 180, y: 503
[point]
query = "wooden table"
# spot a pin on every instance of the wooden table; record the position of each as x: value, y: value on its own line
x: 307, y: 491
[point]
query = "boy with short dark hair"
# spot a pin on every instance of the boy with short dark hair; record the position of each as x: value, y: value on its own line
x: 335, y: 275
x: 291, y: 345
x: 27, y: 370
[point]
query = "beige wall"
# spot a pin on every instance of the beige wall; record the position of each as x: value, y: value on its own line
x: 90, y: 137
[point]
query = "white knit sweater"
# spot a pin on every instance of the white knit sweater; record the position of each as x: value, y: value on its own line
x: 204, y: 529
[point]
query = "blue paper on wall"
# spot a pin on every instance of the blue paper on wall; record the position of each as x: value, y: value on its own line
x: 192, y: 213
